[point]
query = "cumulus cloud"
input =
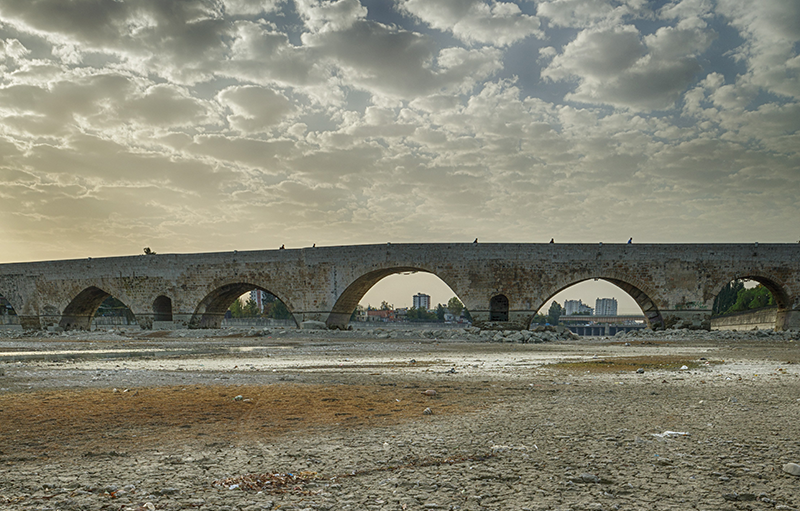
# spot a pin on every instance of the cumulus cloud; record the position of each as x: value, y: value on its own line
x: 771, y: 30
x: 401, y: 63
x: 221, y: 124
x: 330, y: 15
x: 618, y: 67
x: 583, y: 13
x: 476, y: 21
x: 254, y: 108
x: 13, y: 48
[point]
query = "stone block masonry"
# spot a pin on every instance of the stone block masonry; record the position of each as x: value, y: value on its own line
x: 674, y: 284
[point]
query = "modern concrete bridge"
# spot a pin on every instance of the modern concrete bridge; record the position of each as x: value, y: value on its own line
x: 674, y: 284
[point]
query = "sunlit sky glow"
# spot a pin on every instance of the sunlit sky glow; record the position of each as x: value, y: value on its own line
x: 217, y: 125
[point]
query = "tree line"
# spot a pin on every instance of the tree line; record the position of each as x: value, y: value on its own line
x: 734, y: 297
x: 273, y: 308
x: 454, y: 306
x: 552, y: 317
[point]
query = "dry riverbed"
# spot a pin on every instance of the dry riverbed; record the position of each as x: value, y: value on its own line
x: 306, y: 421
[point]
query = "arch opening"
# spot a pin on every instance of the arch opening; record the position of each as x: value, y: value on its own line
x: 595, y: 307
x: 402, y: 295
x: 8, y: 316
x: 162, y: 308
x: 241, y: 304
x: 747, y: 303
x: 498, y: 308
x: 95, y: 307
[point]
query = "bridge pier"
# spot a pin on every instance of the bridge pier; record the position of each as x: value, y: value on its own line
x: 787, y: 319
x: 30, y: 322
x: 516, y: 320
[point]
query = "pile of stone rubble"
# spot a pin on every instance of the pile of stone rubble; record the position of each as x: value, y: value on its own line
x: 537, y: 334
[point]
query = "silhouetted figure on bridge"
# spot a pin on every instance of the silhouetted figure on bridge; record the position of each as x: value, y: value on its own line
x: 282, y: 247
x: 630, y: 240
x: 476, y: 240
x: 552, y: 240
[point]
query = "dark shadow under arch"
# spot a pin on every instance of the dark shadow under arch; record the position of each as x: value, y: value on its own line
x: 349, y: 299
x: 211, y: 310
x: 162, y: 308
x: 498, y: 308
x: 8, y: 315
x: 82, y: 309
x: 647, y: 304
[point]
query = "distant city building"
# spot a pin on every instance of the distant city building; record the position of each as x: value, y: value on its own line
x: 381, y: 315
x: 576, y: 307
x: 260, y: 297
x: 422, y: 301
x: 605, y: 307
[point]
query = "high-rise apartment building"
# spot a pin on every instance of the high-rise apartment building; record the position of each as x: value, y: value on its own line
x: 422, y: 301
x: 576, y: 307
x: 605, y: 307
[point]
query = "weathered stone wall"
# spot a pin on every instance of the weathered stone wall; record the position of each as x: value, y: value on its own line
x: 674, y: 284
x: 762, y: 319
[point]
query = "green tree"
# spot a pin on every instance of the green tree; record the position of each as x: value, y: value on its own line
x: 727, y: 297
x: 539, y: 319
x: 250, y: 309
x: 236, y: 309
x: 753, y: 298
x: 415, y: 314
x: 278, y: 310
x: 386, y: 306
x: 455, y: 306
x: 554, y: 313
x: 440, y: 312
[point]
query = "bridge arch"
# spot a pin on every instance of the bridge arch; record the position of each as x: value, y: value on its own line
x: 347, y: 302
x: 162, y: 308
x: 8, y: 313
x: 641, y: 294
x: 784, y: 301
x: 498, y: 308
x: 778, y: 290
x: 211, y: 310
x: 82, y: 309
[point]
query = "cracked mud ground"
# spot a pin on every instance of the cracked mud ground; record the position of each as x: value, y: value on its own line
x: 505, y: 432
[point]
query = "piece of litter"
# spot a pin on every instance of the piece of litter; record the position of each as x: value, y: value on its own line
x: 667, y: 434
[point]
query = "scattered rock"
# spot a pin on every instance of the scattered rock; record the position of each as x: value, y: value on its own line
x: 792, y: 469
x: 427, y: 411
x: 313, y: 325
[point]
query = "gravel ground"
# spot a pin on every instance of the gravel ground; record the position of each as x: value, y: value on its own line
x: 302, y: 420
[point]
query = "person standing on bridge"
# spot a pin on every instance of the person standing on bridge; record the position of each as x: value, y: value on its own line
x: 630, y: 240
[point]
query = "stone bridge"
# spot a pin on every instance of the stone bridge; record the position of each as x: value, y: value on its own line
x: 674, y: 284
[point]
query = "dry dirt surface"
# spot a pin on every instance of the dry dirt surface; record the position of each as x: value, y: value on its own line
x: 124, y: 421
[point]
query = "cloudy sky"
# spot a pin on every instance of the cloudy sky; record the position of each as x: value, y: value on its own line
x: 211, y: 125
